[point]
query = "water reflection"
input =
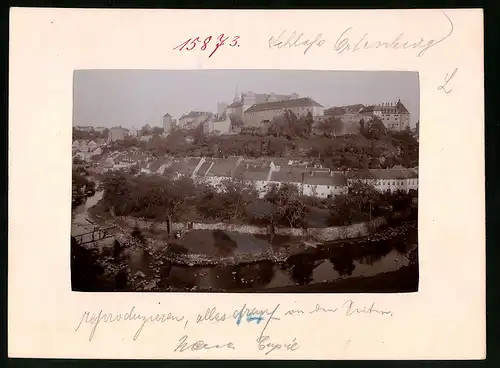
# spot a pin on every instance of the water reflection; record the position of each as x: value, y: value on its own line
x: 328, y: 262
x: 302, y: 269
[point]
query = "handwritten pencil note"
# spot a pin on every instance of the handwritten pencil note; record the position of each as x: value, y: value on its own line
x: 355, y: 41
x: 93, y: 323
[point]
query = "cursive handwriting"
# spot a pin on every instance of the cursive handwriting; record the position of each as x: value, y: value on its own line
x: 295, y: 40
x: 447, y: 80
x: 347, y: 42
x: 254, y: 314
x: 349, y: 309
x: 199, y: 345
x: 264, y: 343
x: 211, y: 315
x: 95, y: 319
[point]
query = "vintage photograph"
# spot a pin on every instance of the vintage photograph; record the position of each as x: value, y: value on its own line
x: 252, y: 181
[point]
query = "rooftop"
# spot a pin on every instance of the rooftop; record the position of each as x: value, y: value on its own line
x: 248, y: 171
x: 184, y: 166
x: 325, y: 178
x: 195, y: 114
x: 223, y: 167
x: 285, y: 104
x: 397, y: 108
x: 287, y: 175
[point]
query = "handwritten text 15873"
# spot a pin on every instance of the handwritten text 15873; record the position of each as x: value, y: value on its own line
x: 205, y: 43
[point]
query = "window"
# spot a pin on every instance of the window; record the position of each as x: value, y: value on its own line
x: 328, y: 187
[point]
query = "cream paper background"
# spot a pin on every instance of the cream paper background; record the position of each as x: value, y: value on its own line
x: 444, y: 320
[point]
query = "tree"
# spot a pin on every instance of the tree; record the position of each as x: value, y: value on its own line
x: 357, y: 205
x: 309, y: 122
x: 289, y: 204
x: 374, y: 129
x: 237, y: 195
x: 263, y: 210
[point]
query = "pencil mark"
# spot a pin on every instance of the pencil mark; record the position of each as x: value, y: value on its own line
x: 447, y: 79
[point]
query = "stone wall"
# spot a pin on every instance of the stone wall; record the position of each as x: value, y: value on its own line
x: 319, y: 234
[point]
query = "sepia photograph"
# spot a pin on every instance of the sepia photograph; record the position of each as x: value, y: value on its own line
x: 256, y: 181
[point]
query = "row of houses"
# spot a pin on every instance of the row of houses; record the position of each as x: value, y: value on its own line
x: 264, y: 173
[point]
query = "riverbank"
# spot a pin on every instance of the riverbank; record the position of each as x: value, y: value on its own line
x: 403, y: 280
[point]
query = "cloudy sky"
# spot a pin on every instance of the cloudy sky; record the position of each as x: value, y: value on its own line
x: 133, y: 98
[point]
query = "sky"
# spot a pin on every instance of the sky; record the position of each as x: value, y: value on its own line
x: 134, y: 98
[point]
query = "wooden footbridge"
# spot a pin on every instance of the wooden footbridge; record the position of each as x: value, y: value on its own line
x: 97, y: 234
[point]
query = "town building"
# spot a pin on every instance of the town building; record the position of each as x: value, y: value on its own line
x: 324, y: 184
x: 217, y: 125
x: 116, y: 134
x: 193, y: 119
x: 100, y: 129
x: 394, y: 116
x: 347, y: 114
x: 84, y: 128
x: 168, y: 123
x: 386, y: 179
x: 241, y: 103
x: 266, y: 112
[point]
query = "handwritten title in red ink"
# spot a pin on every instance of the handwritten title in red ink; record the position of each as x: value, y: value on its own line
x: 209, y: 44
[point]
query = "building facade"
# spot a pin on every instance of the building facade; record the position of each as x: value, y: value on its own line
x: 386, y: 179
x: 394, y: 116
x: 116, y: 134
x: 168, y: 123
x: 193, y: 119
x: 241, y: 103
x: 266, y: 112
x: 217, y: 125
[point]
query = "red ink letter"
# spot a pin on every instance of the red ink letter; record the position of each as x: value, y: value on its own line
x: 193, y: 43
x: 205, y: 43
x: 219, y: 44
x: 235, y: 41
x: 182, y: 45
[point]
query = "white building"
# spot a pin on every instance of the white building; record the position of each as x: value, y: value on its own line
x: 217, y: 125
x: 168, y: 123
x: 116, y: 134
x: 386, y: 179
x: 266, y: 112
x: 395, y: 116
x: 324, y: 184
x: 193, y: 119
x: 243, y: 102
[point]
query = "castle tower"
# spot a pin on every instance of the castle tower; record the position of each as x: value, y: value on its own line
x: 236, y: 98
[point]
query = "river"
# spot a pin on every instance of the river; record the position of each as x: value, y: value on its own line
x: 326, y: 263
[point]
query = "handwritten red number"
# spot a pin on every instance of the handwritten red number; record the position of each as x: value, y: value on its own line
x: 182, y: 45
x: 205, y: 43
x: 219, y: 44
x: 193, y: 43
x: 235, y: 41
